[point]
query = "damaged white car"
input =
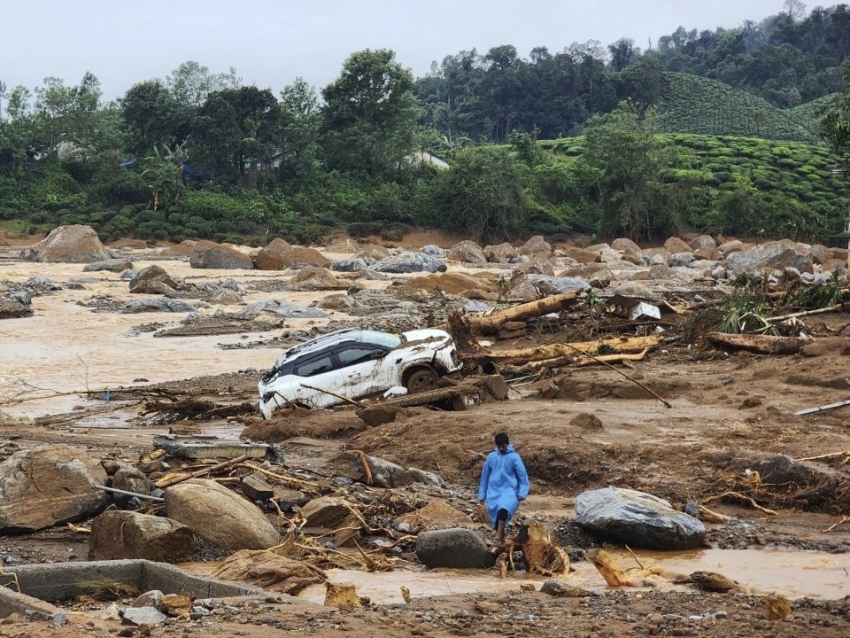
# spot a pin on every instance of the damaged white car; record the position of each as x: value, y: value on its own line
x: 355, y: 364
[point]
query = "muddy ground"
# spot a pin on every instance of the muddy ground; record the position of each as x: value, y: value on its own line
x: 729, y: 411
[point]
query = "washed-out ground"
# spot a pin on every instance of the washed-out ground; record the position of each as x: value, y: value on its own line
x: 728, y: 412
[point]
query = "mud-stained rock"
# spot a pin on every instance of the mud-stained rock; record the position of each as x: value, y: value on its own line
x: 730, y: 247
x: 342, y: 595
x: 263, y: 568
x: 452, y: 283
x: 783, y: 473
x: 467, y: 251
x: 587, y: 421
x: 13, y: 309
x: 372, y: 251
x: 314, y: 278
x: 582, y: 255
x: 767, y: 257
x: 501, y: 253
x: 536, y: 245
x: 539, y: 264
x: 702, y: 242
x: 153, y: 280
x: 343, y: 245
x: 219, y: 515
x: 46, y: 486
x: 437, y: 514
x: 433, y: 250
x: 271, y: 256
x: 207, y: 254
x: 676, y: 245
x: 122, y: 534
x: 110, y: 265
x: 68, y: 245
x: 183, y: 249
x: 624, y: 245
x: 303, y: 257
x: 383, y: 473
x: 638, y: 519
x: 711, y: 254
x: 328, y: 512
x: 226, y: 297
x: 352, y: 265
x: 457, y: 548
x: 410, y: 262
x: 820, y: 254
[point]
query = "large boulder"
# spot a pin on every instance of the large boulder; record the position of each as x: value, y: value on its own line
x: 637, y: 519
x: 703, y: 241
x: 536, y: 245
x: 153, y: 280
x: 547, y: 286
x: 207, y: 254
x: 219, y: 515
x: 821, y: 254
x: 119, y: 534
x: 676, y: 245
x: 313, y: 278
x: 384, y: 473
x: 456, y: 548
x: 410, y: 262
x: 343, y: 245
x: 271, y: 257
x: 372, y: 251
x: 46, y: 486
x: 183, y: 249
x: 433, y: 250
x: 624, y: 245
x: 13, y: 309
x: 68, y: 245
x: 768, y: 257
x: 468, y: 252
x: 354, y: 264
x: 501, y: 253
x: 581, y: 255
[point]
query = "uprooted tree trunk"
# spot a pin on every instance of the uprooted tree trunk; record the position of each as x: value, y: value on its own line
x: 540, y: 554
x: 761, y: 344
x: 613, y: 345
x: 491, y: 323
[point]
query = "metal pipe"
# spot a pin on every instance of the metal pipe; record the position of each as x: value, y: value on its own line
x: 156, y: 499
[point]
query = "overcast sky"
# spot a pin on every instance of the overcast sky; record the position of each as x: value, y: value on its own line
x: 271, y: 42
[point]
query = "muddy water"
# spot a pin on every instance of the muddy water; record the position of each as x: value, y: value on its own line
x: 792, y: 574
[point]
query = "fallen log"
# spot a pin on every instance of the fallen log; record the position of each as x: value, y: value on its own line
x: 611, y: 358
x: 761, y: 344
x: 613, y: 345
x: 491, y: 323
x: 384, y: 411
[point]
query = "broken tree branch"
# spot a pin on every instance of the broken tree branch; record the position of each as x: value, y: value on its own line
x: 168, y: 482
x: 738, y: 495
x: 831, y: 455
x: 613, y: 345
x: 841, y: 522
x: 492, y: 322
x: 805, y: 313
x: 611, y: 358
x: 761, y: 344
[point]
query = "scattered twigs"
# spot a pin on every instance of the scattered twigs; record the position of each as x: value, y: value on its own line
x: 845, y: 519
x: 174, y: 480
x: 742, y: 497
x: 280, y: 477
x: 629, y: 549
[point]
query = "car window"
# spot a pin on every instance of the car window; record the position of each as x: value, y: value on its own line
x: 312, y: 368
x: 356, y: 354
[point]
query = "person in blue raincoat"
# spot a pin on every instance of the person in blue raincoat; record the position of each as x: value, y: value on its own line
x: 503, y: 485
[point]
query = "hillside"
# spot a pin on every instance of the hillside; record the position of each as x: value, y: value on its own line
x: 693, y: 104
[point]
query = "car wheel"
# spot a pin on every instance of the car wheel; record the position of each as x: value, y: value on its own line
x: 421, y: 380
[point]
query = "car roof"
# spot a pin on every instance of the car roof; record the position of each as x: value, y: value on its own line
x: 347, y: 335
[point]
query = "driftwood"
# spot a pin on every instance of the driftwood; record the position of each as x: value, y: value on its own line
x: 168, y: 481
x: 611, y: 358
x: 384, y: 411
x: 491, y: 323
x: 614, y: 345
x: 761, y: 344
x: 561, y: 362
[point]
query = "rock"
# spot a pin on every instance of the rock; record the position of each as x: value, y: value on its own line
x: 271, y: 257
x: 47, y: 486
x: 384, y: 473
x: 219, y: 515
x: 301, y: 257
x: 675, y: 245
x: 703, y: 241
x: 766, y: 257
x: 111, y: 613
x: 437, y: 514
x: 111, y: 265
x: 343, y: 245
x: 624, y: 245
x: 638, y: 519
x: 150, y: 598
x: 340, y: 303
x: 453, y: 283
x: 333, y: 513
x: 153, y: 280
x: 373, y: 252
x: 730, y: 247
x: 143, y: 616
x: 536, y: 245
x: 582, y: 255
x: 711, y: 254
x: 314, y: 278
x: 157, y: 305
x: 176, y: 604
x: 455, y: 548
x: 434, y: 251
x: 783, y: 470
x: 410, y: 262
x: 68, y: 245
x: 546, y: 285
x: 560, y: 589
x: 122, y: 534
x: 207, y: 254
x: 12, y: 309
x: 681, y: 260
x: 537, y: 265
x: 467, y: 251
x: 352, y: 265
x: 820, y: 254
x: 601, y: 278
x: 225, y: 297
x: 500, y: 254
x: 283, y: 309
x: 183, y: 249
x: 636, y: 289
x: 587, y: 421
x: 130, y: 479
x: 262, y: 568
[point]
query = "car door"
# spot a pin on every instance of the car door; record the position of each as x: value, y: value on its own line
x: 361, y: 367
x: 315, y: 374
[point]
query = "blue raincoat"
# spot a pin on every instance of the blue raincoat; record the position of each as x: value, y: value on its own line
x: 503, y: 482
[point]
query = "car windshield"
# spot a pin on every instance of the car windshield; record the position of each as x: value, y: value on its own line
x: 384, y: 339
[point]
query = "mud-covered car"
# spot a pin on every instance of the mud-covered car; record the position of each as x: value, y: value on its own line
x: 355, y: 364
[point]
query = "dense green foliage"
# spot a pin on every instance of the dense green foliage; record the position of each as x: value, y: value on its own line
x: 671, y: 139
